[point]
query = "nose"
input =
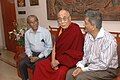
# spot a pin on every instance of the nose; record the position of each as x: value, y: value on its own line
x: 62, y: 20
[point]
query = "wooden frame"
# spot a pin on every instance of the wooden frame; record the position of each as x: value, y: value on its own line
x: 110, y: 9
x: 21, y: 12
x: 34, y: 2
x: 21, y: 3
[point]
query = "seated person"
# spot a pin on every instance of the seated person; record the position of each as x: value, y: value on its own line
x: 100, y: 58
x: 38, y: 45
x: 68, y: 49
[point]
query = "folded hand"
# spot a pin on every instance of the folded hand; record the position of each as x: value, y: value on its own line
x: 76, y: 72
x: 33, y: 59
x: 55, y: 64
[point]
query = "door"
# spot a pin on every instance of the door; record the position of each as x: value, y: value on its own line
x: 9, y: 16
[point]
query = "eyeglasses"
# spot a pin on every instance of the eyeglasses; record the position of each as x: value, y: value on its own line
x: 62, y: 19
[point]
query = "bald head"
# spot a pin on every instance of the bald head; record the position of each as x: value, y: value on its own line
x: 32, y: 16
x: 32, y: 21
x: 64, y: 12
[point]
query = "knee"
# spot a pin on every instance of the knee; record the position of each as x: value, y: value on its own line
x: 82, y: 77
x: 69, y: 75
x: 22, y: 64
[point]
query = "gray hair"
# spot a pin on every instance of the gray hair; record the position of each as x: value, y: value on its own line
x: 95, y: 17
x: 32, y: 16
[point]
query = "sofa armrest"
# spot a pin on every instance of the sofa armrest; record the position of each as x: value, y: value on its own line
x: 118, y: 52
x: 19, y: 54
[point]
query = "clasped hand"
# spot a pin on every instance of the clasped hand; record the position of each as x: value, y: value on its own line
x: 33, y: 59
x: 76, y: 72
x: 55, y: 64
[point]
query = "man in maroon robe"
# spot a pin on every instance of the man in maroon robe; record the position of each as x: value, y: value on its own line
x: 67, y: 51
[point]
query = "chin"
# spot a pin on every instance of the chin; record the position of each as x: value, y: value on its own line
x: 62, y: 26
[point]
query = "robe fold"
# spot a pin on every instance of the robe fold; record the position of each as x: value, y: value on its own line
x: 69, y: 50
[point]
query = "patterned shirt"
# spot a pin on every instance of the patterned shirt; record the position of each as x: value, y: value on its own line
x: 38, y: 42
x: 99, y: 53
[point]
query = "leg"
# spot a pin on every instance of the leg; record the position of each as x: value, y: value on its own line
x: 85, y: 76
x: 108, y: 74
x: 69, y: 74
x: 24, y: 64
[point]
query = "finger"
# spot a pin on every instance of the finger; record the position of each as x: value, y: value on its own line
x: 74, y: 73
x: 31, y: 60
x: 55, y: 68
x: 52, y: 65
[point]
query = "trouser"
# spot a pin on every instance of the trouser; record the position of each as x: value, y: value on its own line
x: 26, y: 63
x: 108, y: 74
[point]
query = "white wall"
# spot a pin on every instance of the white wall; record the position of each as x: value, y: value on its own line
x: 2, y: 40
x: 41, y: 12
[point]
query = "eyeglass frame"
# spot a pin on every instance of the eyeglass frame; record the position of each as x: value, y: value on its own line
x: 59, y: 19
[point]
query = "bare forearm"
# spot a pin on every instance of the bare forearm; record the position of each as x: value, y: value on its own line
x: 53, y: 53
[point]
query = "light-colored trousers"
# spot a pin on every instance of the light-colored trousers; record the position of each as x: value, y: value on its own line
x: 108, y: 74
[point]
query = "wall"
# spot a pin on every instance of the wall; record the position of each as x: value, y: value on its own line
x: 41, y: 12
x: 2, y: 41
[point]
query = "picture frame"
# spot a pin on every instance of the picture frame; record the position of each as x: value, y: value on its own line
x: 34, y: 2
x: 21, y: 3
x: 21, y: 12
x: 110, y: 9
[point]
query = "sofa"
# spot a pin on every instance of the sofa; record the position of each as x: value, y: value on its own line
x: 20, y: 53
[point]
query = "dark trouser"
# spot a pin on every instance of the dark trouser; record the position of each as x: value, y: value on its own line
x: 24, y: 64
x: 108, y: 74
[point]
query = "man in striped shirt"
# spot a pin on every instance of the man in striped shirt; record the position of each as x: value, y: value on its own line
x: 100, y: 58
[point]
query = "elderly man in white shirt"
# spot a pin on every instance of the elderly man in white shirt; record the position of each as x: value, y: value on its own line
x: 38, y: 45
x: 100, y: 58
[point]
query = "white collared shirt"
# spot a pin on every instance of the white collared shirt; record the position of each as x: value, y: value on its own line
x: 99, y: 53
x: 38, y: 42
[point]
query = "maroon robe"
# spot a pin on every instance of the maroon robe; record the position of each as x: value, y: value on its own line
x: 69, y: 50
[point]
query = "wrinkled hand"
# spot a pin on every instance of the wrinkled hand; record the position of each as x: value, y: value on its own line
x: 33, y: 59
x: 55, y: 64
x: 76, y: 72
x: 56, y: 68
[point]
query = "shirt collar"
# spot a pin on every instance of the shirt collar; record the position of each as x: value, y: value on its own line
x: 38, y: 30
x: 99, y: 35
